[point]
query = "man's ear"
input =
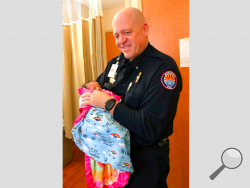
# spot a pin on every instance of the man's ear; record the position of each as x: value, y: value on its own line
x: 145, y: 28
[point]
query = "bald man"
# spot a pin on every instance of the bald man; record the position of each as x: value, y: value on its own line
x: 149, y: 83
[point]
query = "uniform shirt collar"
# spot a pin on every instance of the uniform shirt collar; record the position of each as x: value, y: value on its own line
x: 138, y: 61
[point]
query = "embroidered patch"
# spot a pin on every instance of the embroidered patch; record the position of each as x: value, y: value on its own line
x: 169, y: 80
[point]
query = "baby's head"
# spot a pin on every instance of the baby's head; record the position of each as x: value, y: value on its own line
x: 92, y: 86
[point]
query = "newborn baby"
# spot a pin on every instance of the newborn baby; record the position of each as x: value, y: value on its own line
x: 92, y: 86
x: 103, y: 139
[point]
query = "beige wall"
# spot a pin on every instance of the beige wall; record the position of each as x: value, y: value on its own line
x: 108, y: 15
x: 134, y: 3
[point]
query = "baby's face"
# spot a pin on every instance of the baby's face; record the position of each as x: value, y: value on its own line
x: 92, y: 86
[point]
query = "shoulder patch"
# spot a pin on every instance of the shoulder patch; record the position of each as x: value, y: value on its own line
x: 169, y: 80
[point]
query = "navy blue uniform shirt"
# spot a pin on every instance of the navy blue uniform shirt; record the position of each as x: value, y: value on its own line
x: 148, y: 100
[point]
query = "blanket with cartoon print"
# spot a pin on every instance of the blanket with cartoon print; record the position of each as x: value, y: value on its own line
x: 102, y: 138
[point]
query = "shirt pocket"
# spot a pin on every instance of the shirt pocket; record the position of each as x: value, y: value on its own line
x: 134, y: 96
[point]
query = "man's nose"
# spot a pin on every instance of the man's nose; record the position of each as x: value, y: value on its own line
x: 122, y: 39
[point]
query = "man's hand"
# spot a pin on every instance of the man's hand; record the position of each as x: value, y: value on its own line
x: 97, y: 99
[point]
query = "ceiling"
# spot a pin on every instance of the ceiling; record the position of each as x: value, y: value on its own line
x: 106, y: 4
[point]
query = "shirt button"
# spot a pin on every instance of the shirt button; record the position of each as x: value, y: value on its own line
x: 123, y: 85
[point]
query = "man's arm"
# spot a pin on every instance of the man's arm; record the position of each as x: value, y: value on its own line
x: 157, y: 109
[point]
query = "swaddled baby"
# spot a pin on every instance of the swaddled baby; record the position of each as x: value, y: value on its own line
x: 105, y: 142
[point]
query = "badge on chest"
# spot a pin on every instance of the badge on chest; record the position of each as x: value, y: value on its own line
x: 113, y: 71
x: 137, y: 79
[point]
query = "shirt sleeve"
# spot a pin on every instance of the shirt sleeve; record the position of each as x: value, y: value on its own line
x: 157, y: 109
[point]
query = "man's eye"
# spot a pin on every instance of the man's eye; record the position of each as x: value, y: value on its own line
x: 117, y: 36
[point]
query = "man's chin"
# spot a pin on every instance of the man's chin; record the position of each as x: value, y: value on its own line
x: 127, y: 56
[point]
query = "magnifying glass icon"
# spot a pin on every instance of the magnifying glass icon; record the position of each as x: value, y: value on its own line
x: 231, y: 158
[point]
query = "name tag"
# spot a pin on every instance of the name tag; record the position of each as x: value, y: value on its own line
x: 113, y: 70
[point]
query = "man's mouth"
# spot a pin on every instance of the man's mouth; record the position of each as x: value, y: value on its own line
x: 125, y: 47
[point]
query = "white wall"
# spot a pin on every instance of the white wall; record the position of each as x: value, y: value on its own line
x: 108, y: 15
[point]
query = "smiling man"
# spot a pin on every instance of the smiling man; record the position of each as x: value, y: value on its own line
x: 131, y: 33
x: 149, y: 83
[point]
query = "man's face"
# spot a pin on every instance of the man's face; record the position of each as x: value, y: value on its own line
x: 131, y: 38
x: 92, y: 86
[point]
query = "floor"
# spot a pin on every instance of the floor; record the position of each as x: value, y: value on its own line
x: 73, y: 173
